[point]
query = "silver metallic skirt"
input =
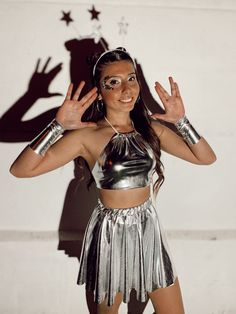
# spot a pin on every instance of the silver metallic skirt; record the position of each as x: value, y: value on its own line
x: 125, y: 249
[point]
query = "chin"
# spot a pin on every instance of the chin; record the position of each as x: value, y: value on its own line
x: 127, y: 106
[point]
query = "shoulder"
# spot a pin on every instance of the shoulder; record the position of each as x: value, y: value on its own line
x: 92, y: 134
x: 167, y: 136
x: 85, y: 133
x: 89, y: 138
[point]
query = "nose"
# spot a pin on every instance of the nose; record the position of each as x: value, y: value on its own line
x: 125, y: 86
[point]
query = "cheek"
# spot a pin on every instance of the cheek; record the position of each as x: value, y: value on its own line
x: 136, y: 88
x: 110, y: 96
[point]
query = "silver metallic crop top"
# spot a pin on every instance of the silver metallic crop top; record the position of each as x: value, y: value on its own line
x: 126, y: 162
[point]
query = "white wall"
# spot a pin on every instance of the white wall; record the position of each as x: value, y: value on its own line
x: 192, y: 40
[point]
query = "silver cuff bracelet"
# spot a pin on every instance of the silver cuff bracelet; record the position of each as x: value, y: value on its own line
x: 188, y: 132
x: 46, y: 138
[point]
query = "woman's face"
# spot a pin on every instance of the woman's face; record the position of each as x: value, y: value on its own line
x: 119, y: 88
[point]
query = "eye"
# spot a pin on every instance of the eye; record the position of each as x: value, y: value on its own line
x: 132, y: 78
x: 113, y: 82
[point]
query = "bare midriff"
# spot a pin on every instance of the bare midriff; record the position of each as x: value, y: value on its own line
x: 124, y: 198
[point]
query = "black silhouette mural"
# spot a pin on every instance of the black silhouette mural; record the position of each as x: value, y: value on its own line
x: 79, y: 200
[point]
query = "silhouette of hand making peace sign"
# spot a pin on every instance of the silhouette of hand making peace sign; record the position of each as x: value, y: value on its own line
x: 40, y: 81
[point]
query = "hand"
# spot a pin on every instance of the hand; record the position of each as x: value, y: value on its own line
x: 70, y: 113
x: 173, y: 104
x: 40, y: 81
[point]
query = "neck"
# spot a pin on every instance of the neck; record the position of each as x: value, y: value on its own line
x: 119, y: 119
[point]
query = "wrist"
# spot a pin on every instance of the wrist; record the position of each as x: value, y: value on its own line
x: 41, y: 143
x: 187, y: 131
x: 180, y: 122
x: 59, y: 124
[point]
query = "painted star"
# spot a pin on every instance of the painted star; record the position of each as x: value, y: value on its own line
x: 123, y: 26
x: 94, y: 13
x: 66, y: 17
x: 96, y: 33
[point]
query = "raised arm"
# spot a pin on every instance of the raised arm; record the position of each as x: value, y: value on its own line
x: 46, y: 152
x: 188, y: 145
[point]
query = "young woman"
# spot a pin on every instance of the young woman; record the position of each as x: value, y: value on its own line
x: 124, y: 247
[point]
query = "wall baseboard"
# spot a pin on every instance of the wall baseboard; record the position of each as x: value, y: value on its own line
x: 27, y: 235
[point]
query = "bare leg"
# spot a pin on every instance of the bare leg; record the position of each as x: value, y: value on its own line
x: 103, y: 308
x: 135, y: 306
x: 168, y: 300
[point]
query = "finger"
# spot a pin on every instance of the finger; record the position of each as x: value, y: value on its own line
x: 78, y: 90
x: 69, y: 92
x: 172, y: 86
x: 177, y: 90
x: 37, y: 65
x: 53, y: 72
x: 54, y: 94
x: 46, y: 64
x: 90, y: 94
x: 161, y: 89
x: 161, y: 93
x: 89, y: 101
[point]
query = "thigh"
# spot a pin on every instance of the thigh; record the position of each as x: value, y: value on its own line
x: 103, y: 308
x: 168, y: 300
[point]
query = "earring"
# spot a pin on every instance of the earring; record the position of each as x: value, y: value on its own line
x: 138, y: 99
x: 100, y: 105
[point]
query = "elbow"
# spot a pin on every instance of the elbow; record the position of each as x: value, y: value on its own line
x: 18, y: 173
x: 210, y: 160
x: 214, y: 159
x: 15, y: 173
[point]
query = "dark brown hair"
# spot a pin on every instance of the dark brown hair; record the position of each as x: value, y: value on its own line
x: 139, y: 114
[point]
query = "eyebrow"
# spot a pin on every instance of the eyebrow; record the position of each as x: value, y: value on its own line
x: 110, y: 76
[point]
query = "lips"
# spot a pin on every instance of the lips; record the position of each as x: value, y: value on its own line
x: 127, y: 100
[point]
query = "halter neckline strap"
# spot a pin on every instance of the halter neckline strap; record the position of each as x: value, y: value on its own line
x: 115, y: 128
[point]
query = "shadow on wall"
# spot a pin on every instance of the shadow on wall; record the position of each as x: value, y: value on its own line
x: 79, y: 200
